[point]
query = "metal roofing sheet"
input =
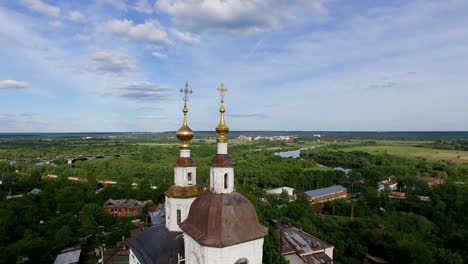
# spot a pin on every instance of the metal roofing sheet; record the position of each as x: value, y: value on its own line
x: 325, y: 191
x: 68, y: 257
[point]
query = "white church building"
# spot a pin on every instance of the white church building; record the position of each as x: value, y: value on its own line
x: 215, y: 226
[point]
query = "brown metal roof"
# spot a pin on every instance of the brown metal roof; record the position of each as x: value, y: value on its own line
x: 185, y: 162
x: 222, y: 160
x: 221, y: 220
x: 184, y: 191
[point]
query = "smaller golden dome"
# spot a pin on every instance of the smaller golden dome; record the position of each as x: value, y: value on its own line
x: 222, y: 129
x: 185, y: 134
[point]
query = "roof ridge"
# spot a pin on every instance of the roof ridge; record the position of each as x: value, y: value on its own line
x: 221, y: 224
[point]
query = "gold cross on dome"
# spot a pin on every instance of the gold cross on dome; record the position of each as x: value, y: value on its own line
x: 222, y: 90
x: 185, y: 92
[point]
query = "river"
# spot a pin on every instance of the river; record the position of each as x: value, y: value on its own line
x: 297, y: 153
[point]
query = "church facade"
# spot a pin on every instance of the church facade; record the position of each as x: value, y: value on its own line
x: 211, y: 226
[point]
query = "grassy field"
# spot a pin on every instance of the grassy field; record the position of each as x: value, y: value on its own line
x: 415, y: 152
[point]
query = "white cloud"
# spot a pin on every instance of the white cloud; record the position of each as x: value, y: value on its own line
x: 75, y: 16
x: 150, y: 31
x: 112, y: 62
x: 118, y: 4
x: 82, y: 37
x: 55, y: 24
x: 142, y: 92
x: 159, y: 55
x: 41, y: 7
x: 247, y: 16
x: 22, y: 122
x: 152, y: 117
x: 186, y: 37
x: 143, y: 6
x: 13, y: 84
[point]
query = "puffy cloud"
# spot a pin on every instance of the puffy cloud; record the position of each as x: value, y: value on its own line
x: 55, y: 24
x: 118, y: 4
x: 82, y: 37
x: 13, y: 84
x: 159, y: 55
x: 112, y: 62
x: 143, y: 6
x: 246, y: 16
x: 150, y: 31
x: 41, y: 7
x: 186, y: 37
x: 142, y: 92
x: 75, y: 16
x: 22, y: 121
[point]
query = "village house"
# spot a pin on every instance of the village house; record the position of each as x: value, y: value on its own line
x: 280, y: 190
x: 124, y: 207
x: 390, y: 184
x: 69, y: 256
x: 334, y: 192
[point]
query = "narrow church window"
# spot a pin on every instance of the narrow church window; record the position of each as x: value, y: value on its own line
x: 189, y: 177
x: 179, y: 216
x: 225, y: 181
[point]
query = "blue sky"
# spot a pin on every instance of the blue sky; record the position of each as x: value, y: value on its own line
x: 117, y: 65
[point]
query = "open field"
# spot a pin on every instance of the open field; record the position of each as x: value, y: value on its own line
x: 415, y: 152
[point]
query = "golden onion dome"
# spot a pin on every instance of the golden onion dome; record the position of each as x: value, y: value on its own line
x: 185, y: 134
x: 222, y: 129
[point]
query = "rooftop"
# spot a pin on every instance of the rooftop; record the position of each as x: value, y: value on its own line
x: 280, y: 189
x: 325, y: 191
x: 300, y: 247
x: 69, y: 255
x: 125, y: 203
x: 157, y: 245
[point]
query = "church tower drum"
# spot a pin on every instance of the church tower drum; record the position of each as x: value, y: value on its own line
x: 180, y: 196
x: 222, y: 172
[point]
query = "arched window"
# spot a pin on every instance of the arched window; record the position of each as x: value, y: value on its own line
x: 189, y: 177
x: 242, y: 261
x: 226, y: 177
x: 179, y: 216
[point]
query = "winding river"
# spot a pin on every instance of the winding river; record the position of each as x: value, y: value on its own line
x: 297, y: 153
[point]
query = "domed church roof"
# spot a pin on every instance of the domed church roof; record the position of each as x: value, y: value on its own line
x: 221, y: 220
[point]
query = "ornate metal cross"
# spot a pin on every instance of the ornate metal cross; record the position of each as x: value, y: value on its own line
x: 222, y: 90
x: 185, y: 92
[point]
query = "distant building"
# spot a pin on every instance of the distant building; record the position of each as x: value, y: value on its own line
x: 270, y: 138
x: 69, y: 256
x: 124, y: 207
x: 245, y: 138
x: 280, y: 190
x: 35, y: 191
x: 390, y: 183
x: 299, y: 247
x: 431, y: 181
x: 334, y: 192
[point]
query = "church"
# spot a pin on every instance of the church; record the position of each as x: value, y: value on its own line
x: 203, y: 226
